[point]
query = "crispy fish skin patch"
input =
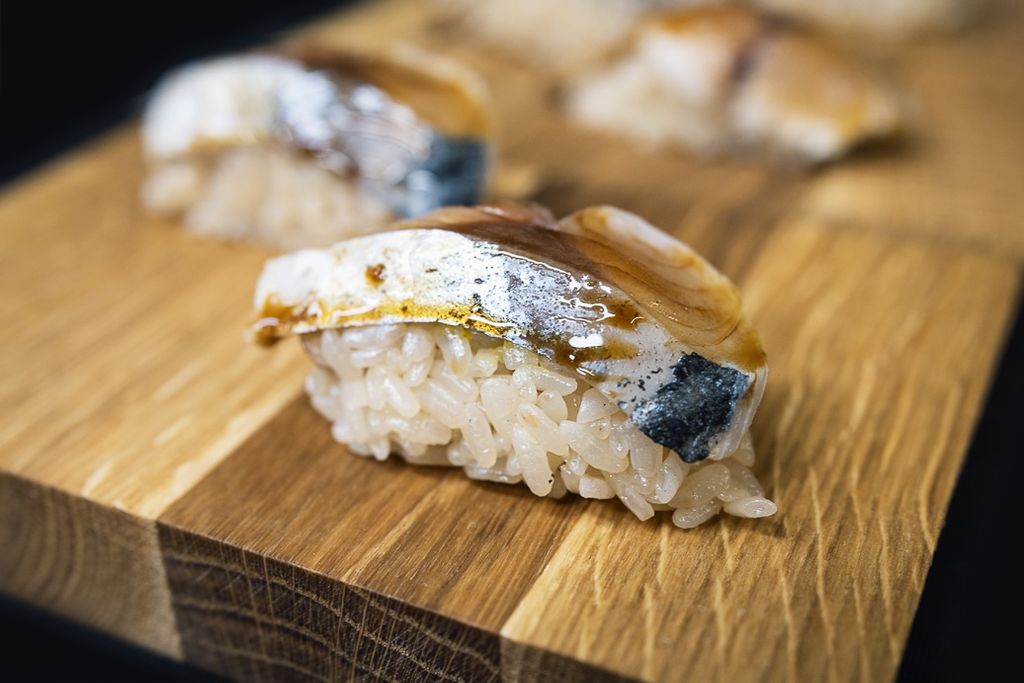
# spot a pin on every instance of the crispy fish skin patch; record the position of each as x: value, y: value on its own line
x: 686, y: 413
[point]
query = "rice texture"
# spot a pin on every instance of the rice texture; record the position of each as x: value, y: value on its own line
x: 441, y: 395
x: 266, y: 194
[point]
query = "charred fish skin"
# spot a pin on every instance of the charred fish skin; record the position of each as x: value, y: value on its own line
x: 556, y: 293
x: 693, y: 408
x: 453, y: 174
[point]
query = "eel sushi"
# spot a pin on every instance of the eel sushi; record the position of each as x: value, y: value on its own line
x: 731, y: 80
x: 594, y: 355
x: 306, y: 146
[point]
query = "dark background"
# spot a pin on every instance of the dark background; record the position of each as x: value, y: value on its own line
x: 70, y: 72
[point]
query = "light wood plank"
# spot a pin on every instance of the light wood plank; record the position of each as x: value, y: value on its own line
x: 126, y: 338
x: 126, y: 379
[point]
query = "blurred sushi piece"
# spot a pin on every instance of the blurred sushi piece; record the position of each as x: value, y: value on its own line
x: 733, y: 81
x: 560, y: 36
x: 563, y: 36
x: 307, y: 146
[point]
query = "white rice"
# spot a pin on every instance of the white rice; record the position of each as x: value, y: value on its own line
x: 264, y: 194
x: 439, y: 395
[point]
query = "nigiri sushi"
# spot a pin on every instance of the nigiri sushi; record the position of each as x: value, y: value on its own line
x: 730, y: 80
x: 310, y: 145
x: 557, y: 36
x: 594, y: 355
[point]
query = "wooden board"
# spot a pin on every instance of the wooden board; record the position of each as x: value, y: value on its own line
x: 125, y: 382
x: 956, y: 175
x: 164, y: 482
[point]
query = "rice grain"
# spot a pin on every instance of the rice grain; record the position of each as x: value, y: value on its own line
x: 442, y: 396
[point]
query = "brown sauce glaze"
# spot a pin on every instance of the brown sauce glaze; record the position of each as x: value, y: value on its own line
x: 675, y: 287
x: 566, y: 355
x: 507, y: 212
x: 274, y: 320
x: 375, y: 274
x: 701, y: 312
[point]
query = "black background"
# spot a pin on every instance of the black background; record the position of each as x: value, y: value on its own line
x: 71, y: 69
x: 68, y: 72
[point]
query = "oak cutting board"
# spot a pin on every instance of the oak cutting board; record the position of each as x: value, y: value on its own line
x: 164, y: 482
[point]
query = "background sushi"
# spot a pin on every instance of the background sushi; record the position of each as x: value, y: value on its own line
x: 728, y: 80
x: 527, y: 350
x: 564, y: 36
x: 307, y: 146
x: 560, y: 36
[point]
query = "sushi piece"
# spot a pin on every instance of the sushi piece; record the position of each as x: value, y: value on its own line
x: 308, y: 146
x: 594, y: 355
x: 558, y: 36
x: 729, y: 80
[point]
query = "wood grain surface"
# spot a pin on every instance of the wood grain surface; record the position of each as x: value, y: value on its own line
x: 955, y: 175
x: 164, y: 482
x: 125, y: 379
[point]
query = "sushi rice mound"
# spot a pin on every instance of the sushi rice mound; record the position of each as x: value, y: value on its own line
x: 268, y: 195
x: 441, y: 395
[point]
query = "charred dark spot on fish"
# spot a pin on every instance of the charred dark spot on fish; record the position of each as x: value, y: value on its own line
x: 749, y: 54
x: 453, y: 173
x: 430, y: 270
x: 743, y: 67
x: 478, y: 304
x: 697, y: 405
x: 478, y: 280
x: 375, y: 274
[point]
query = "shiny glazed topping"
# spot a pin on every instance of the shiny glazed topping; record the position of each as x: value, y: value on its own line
x: 603, y: 282
x: 636, y: 314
